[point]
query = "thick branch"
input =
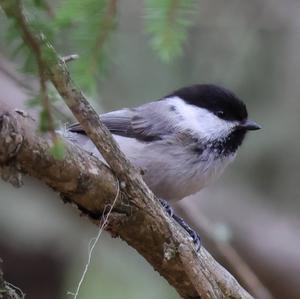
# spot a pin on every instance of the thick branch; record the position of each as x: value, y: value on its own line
x: 146, y: 227
x: 86, y: 181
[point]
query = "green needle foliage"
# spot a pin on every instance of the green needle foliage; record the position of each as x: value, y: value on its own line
x: 39, y: 14
x: 90, y: 24
x: 58, y: 149
x: 167, y: 21
x: 84, y: 27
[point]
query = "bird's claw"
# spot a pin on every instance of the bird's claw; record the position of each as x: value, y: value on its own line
x: 196, y: 239
x: 192, y: 233
x: 167, y: 207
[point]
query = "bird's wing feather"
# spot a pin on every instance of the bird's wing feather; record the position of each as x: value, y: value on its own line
x: 146, y: 123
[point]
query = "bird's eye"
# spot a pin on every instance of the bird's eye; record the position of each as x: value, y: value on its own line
x: 219, y: 113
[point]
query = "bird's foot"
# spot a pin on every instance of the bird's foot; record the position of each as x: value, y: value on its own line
x: 193, y: 234
x: 167, y: 207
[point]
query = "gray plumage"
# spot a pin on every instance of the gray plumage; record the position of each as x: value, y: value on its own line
x: 165, y: 140
x: 145, y: 123
x: 181, y: 142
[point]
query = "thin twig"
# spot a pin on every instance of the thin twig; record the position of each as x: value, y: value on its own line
x: 36, y: 48
x: 94, y: 243
x: 69, y: 58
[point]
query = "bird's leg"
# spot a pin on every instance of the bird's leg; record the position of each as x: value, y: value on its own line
x: 167, y: 207
x: 193, y: 234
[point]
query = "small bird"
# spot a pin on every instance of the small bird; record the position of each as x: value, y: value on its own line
x: 181, y: 142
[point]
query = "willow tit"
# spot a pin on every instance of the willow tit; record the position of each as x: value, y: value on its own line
x: 182, y: 142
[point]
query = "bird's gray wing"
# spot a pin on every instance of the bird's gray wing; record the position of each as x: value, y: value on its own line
x: 118, y: 122
x: 146, y: 123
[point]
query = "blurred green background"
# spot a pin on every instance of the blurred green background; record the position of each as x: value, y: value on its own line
x: 251, y: 47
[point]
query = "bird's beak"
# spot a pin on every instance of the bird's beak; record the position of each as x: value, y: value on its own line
x: 249, y: 125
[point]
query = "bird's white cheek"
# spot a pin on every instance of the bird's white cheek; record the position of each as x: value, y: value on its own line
x: 201, y: 121
x: 212, y: 127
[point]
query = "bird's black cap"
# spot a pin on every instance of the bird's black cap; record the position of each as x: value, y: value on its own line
x: 220, y: 101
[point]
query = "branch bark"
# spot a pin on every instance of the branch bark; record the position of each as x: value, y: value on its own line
x: 84, y: 180
x: 228, y: 253
x: 80, y: 178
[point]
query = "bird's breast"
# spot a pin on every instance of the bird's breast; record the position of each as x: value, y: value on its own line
x: 172, y: 171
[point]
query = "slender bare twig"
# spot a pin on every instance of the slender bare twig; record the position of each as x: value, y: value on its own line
x: 36, y: 48
x: 94, y: 243
x: 69, y: 58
